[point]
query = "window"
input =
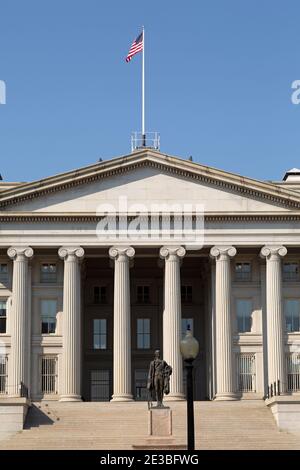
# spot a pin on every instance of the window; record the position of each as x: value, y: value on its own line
x: 293, y: 372
x: 48, y: 315
x: 100, y: 385
x: 3, y: 374
x: 246, y: 372
x: 49, y: 375
x: 48, y: 272
x: 141, y: 392
x: 186, y: 294
x: 185, y: 322
x: 100, y: 295
x: 143, y: 333
x: 3, y: 315
x: 143, y: 294
x: 290, y: 271
x: 99, y: 333
x: 292, y: 314
x: 242, y: 271
x: 244, y: 315
x: 3, y: 272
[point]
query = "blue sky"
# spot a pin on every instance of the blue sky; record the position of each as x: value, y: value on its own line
x: 218, y: 83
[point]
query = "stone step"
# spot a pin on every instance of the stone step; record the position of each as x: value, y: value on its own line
x: 218, y: 425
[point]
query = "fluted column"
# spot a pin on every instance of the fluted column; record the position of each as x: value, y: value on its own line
x: 122, y: 324
x: 71, y: 385
x: 225, y: 386
x: 275, y: 331
x: 20, y: 320
x: 172, y: 318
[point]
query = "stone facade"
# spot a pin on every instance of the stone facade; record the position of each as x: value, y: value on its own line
x: 82, y: 315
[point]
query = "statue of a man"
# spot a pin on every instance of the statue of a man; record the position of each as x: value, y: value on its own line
x: 158, y: 379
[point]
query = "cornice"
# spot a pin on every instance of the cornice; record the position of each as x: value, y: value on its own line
x: 40, y: 217
x: 172, y: 165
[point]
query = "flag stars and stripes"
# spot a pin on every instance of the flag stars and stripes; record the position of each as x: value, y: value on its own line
x: 137, y: 46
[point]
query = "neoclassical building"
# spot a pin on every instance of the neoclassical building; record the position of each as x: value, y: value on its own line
x: 91, y: 286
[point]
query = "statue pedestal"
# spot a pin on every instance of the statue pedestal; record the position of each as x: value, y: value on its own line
x: 160, y: 422
x: 160, y: 436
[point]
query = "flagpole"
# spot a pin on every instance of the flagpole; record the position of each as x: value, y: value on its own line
x: 143, y: 91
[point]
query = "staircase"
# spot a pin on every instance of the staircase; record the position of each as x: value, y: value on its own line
x: 247, y: 424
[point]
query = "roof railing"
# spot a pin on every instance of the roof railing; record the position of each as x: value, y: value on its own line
x: 150, y: 140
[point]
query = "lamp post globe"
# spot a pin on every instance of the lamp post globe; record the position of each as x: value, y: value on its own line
x: 189, y: 348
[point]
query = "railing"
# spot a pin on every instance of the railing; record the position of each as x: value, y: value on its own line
x: 141, y: 392
x: 293, y: 372
x: 273, y: 390
x: 23, y: 390
x: 246, y: 372
x: 147, y: 140
x: 49, y: 375
x: 100, y: 385
x: 3, y: 375
x: 5, y: 389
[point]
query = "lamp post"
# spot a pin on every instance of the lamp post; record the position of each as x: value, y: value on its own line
x: 189, y: 348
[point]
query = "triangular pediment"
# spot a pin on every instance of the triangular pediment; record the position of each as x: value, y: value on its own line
x: 145, y: 177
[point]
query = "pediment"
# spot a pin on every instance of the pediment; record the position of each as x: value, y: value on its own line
x: 144, y: 178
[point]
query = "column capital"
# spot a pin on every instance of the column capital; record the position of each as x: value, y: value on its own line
x: 222, y: 252
x: 121, y: 252
x: 72, y: 252
x: 20, y: 252
x: 273, y: 252
x: 172, y: 252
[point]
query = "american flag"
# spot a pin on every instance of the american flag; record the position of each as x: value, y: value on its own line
x: 136, y: 46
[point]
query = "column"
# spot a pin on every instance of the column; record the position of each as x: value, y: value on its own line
x: 225, y: 386
x: 212, y: 378
x: 172, y: 318
x: 71, y: 384
x: 20, y: 321
x: 264, y: 324
x: 122, y: 323
x: 275, y: 330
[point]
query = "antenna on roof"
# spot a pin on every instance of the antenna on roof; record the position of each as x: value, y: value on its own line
x: 100, y: 159
x: 1, y: 179
x: 191, y: 158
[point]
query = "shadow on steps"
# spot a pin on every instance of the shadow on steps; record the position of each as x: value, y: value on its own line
x: 37, y: 417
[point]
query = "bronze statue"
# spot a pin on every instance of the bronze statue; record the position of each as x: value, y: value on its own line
x: 158, y: 379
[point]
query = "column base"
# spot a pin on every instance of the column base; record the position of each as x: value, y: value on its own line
x: 226, y: 396
x: 174, y: 397
x: 122, y: 398
x: 72, y: 398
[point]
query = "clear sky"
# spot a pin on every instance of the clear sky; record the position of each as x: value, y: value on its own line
x: 218, y: 83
